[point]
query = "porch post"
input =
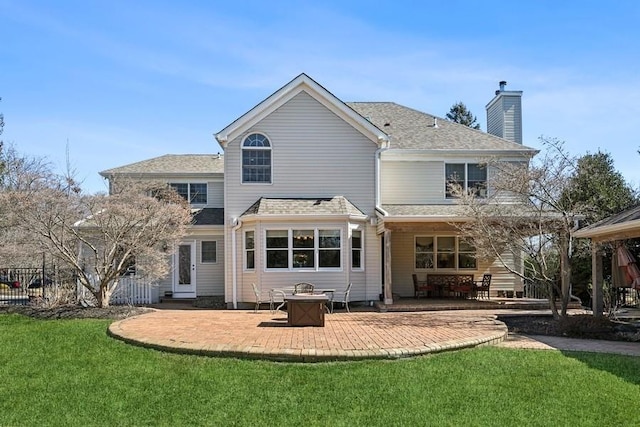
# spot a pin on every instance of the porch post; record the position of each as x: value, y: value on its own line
x: 596, y: 279
x: 388, y: 291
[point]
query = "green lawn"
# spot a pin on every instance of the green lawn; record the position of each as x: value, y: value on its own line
x: 69, y: 372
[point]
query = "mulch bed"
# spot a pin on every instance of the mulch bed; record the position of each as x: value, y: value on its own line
x: 575, y: 326
x: 74, y: 311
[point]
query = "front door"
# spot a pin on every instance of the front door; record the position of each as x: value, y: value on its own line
x: 184, y: 271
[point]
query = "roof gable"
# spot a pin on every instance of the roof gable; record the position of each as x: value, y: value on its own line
x: 286, y: 93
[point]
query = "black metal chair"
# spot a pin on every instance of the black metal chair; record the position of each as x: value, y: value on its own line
x: 482, y: 286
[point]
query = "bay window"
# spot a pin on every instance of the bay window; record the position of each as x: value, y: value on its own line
x: 312, y: 249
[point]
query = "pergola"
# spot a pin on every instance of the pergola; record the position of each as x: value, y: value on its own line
x: 625, y: 225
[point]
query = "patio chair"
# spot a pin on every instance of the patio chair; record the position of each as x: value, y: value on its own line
x: 463, y: 286
x: 343, y: 298
x: 422, y: 287
x: 482, y: 286
x: 303, y: 288
x: 258, y: 296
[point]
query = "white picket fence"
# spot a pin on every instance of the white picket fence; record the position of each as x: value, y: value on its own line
x: 131, y: 290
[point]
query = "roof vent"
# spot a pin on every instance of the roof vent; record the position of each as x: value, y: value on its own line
x: 435, y: 122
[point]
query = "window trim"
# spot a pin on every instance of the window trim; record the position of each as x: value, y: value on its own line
x: 316, y: 249
x: 465, y: 181
x: 244, y: 149
x: 202, y: 260
x: 456, y: 253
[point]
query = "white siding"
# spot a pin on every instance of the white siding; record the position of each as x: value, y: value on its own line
x: 412, y: 182
x: 215, y: 194
x: 314, y: 154
x: 210, y: 276
x: 504, y: 118
x: 495, y: 120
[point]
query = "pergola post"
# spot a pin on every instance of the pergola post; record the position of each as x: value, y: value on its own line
x: 596, y: 279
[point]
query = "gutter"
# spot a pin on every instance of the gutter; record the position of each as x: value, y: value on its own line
x: 234, y: 255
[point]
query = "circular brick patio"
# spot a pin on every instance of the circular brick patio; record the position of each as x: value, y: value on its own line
x: 345, y: 336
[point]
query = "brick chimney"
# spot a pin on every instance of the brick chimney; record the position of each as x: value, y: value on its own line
x: 504, y: 114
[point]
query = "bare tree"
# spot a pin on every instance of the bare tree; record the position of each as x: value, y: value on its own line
x: 99, y: 236
x: 526, y: 216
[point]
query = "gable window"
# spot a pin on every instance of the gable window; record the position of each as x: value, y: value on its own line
x: 209, y: 251
x: 356, y: 249
x: 194, y: 193
x: 471, y: 177
x: 249, y: 250
x: 256, y: 159
x: 312, y: 249
x: 444, y: 252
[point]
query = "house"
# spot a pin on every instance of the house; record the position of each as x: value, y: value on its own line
x: 311, y: 188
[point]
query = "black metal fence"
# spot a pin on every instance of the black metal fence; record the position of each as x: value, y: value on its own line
x: 21, y: 285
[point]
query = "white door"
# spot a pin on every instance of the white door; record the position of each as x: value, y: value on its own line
x: 184, y: 271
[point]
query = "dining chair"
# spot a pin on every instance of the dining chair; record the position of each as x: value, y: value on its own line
x: 482, y: 286
x: 422, y: 287
x: 303, y: 288
x: 258, y: 296
x: 343, y: 298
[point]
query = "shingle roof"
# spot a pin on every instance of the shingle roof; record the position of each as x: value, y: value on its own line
x: 626, y: 221
x: 195, y: 164
x: 412, y: 129
x: 209, y: 216
x: 425, y: 210
x: 338, y: 205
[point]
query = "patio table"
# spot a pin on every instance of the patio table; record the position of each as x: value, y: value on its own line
x: 306, y: 310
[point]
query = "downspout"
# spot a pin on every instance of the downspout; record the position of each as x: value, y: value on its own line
x: 234, y: 259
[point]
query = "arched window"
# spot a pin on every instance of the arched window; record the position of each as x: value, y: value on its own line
x: 256, y: 159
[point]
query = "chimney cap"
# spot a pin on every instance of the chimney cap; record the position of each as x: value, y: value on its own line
x: 502, y: 84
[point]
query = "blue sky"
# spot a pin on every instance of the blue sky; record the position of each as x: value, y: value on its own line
x: 123, y: 81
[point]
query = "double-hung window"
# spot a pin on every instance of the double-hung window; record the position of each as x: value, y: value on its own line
x: 295, y: 249
x: 194, y: 193
x: 444, y: 253
x: 356, y: 249
x: 470, y: 177
x: 256, y: 159
x: 249, y: 250
x: 209, y: 252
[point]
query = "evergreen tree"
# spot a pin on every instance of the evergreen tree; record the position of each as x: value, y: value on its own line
x: 460, y: 114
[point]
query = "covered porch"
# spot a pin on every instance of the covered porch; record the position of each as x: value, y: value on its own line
x: 422, y: 241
